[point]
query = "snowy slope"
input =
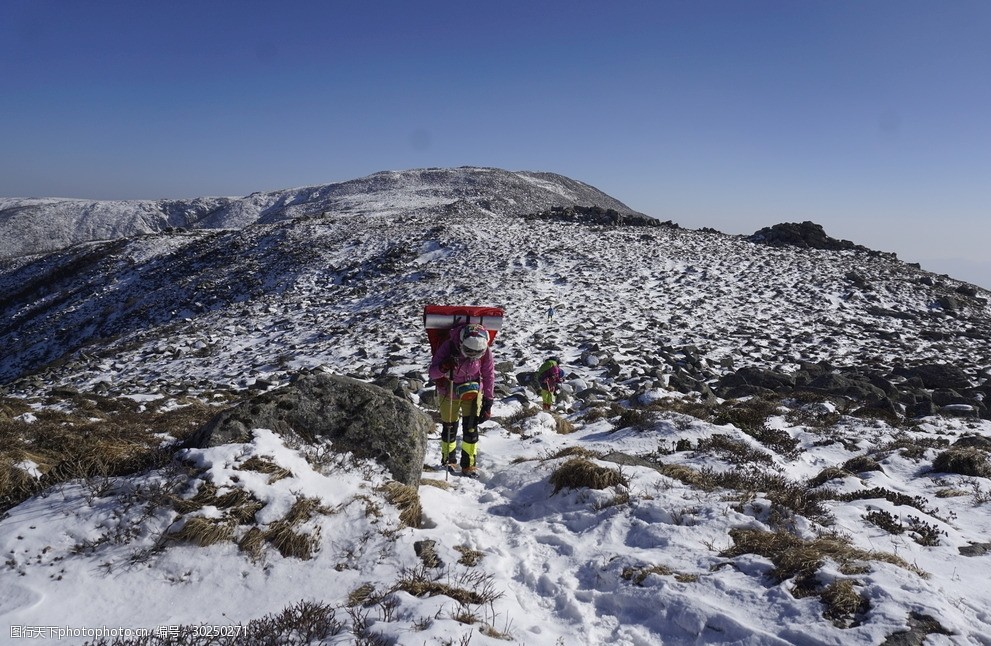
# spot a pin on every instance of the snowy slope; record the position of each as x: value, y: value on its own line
x: 37, y: 225
x: 657, y: 558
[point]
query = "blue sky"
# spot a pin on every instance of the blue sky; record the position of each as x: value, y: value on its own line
x: 870, y: 118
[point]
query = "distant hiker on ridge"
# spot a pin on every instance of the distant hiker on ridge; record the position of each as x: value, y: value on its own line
x: 549, y: 375
x: 464, y: 372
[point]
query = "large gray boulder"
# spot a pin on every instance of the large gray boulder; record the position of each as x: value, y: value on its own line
x: 355, y: 416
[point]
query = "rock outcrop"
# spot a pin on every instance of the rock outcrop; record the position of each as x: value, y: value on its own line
x: 355, y: 416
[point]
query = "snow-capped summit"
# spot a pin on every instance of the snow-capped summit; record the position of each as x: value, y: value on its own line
x: 33, y: 225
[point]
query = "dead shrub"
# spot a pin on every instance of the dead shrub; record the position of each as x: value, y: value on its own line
x: 894, y: 497
x: 301, y: 624
x: 514, y: 422
x: 749, y: 414
x: 912, y: 448
x: 967, y: 461
x: 581, y: 473
x: 595, y: 414
x: 469, y: 588
x: 827, y: 474
x: 733, y: 451
x: 684, y: 406
x: 861, y: 464
x: 634, y: 418
x: 699, y: 479
x: 775, y: 438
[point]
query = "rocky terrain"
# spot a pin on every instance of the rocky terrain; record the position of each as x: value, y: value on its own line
x: 785, y: 390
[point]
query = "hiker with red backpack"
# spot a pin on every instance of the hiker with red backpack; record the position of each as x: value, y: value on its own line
x: 549, y: 376
x: 464, y: 372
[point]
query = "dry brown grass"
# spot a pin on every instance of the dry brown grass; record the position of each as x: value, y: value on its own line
x: 361, y: 595
x: 205, y: 531
x: 469, y: 557
x: 434, y: 482
x: 88, y: 436
x: 265, y: 465
x: 240, y: 508
x: 842, y: 603
x: 252, y: 543
x: 407, y: 500
x: 563, y: 426
x: 574, y: 451
x: 581, y: 473
x: 794, y: 557
x: 283, y: 534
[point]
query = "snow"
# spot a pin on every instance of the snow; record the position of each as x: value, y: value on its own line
x: 560, y: 561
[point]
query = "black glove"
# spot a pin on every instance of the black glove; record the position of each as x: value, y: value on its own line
x: 447, y: 365
x: 486, y: 411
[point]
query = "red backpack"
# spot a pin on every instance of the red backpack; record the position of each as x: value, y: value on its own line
x: 439, y: 320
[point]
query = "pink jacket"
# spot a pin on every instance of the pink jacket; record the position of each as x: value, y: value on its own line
x: 465, y: 370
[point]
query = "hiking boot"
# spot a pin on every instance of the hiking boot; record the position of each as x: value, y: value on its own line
x: 471, y: 472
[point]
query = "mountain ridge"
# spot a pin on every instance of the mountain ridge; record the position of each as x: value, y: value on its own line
x: 36, y: 225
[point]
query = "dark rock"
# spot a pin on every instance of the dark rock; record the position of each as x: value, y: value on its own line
x: 959, y: 410
x: 975, y: 549
x: 355, y: 416
x: 923, y: 408
x: 947, y: 396
x: 427, y: 551
x: 920, y: 627
x: 937, y: 375
x: 759, y: 377
x: 845, y: 386
x: 807, y: 235
x: 948, y: 303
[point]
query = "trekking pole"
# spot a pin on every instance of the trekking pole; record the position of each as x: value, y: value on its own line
x: 450, y: 399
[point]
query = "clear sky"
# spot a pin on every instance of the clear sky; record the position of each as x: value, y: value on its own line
x: 872, y: 118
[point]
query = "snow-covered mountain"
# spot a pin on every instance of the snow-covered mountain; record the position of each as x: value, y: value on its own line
x: 665, y: 332
x: 33, y: 225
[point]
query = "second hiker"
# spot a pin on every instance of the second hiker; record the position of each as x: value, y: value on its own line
x: 549, y: 375
x: 464, y: 372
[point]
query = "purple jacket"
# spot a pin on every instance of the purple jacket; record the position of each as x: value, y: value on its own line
x: 482, y: 370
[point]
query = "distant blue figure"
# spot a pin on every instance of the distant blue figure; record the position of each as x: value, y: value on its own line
x: 550, y: 313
